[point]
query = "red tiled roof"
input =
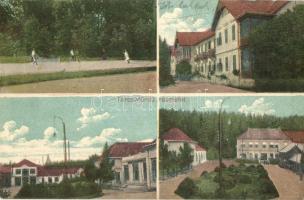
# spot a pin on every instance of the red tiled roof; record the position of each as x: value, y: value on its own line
x: 42, y: 171
x: 238, y: 8
x: 192, y: 38
x: 124, y: 149
x: 295, y: 136
x: 175, y: 134
x: 25, y: 162
x: 5, y: 170
x: 263, y: 134
x: 199, y: 148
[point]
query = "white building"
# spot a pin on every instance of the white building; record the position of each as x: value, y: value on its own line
x: 134, y: 164
x: 232, y: 23
x: 176, y: 138
x: 27, y: 172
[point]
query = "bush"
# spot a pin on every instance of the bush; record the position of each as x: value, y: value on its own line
x: 204, y: 173
x: 244, y: 179
x: 279, y: 85
x: 268, y: 188
x: 183, y: 70
x: 227, y: 181
x: 187, y: 188
x: 236, y: 72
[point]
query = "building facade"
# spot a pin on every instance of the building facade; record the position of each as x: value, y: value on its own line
x: 176, y: 139
x: 27, y: 172
x: 229, y: 60
x: 134, y: 164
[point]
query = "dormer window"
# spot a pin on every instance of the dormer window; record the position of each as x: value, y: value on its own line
x: 32, y: 171
x: 18, y: 171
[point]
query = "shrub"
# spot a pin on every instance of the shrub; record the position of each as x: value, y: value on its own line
x: 236, y: 72
x: 187, y: 188
x: 279, y: 85
x: 204, y: 173
x: 268, y: 188
x: 245, y: 179
x: 227, y: 181
x: 183, y: 70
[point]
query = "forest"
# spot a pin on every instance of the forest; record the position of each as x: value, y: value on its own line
x: 90, y: 27
x: 203, y: 127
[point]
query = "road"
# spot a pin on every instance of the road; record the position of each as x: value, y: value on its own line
x: 123, y: 83
x: 167, y: 187
x: 199, y: 87
x: 287, y: 183
x: 117, y: 194
x: 49, y: 67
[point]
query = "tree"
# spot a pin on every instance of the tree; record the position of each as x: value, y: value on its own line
x: 185, y: 156
x: 105, y: 172
x: 183, y: 70
x: 90, y: 170
x: 165, y: 77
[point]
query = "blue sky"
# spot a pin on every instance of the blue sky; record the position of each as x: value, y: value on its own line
x: 249, y: 105
x: 181, y: 15
x: 27, y: 125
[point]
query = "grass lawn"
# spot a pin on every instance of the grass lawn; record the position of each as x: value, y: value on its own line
x: 33, y: 78
x: 241, y: 182
x: 12, y: 59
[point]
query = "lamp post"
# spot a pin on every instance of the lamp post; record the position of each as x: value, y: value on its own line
x: 64, y: 145
x: 220, y: 136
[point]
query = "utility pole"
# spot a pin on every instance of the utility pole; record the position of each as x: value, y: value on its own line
x: 64, y: 145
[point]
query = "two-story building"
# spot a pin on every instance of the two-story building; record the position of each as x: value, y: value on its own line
x: 176, y: 138
x: 233, y: 22
x: 134, y: 164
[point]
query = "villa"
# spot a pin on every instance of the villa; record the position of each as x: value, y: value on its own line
x: 134, y: 164
x: 176, y: 138
x: 268, y: 144
x: 27, y: 172
x: 223, y: 50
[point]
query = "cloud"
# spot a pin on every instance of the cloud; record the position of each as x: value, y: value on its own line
x: 173, y: 21
x: 106, y: 135
x: 258, y: 108
x: 213, y: 104
x: 88, y: 115
x: 49, y: 132
x: 11, y: 132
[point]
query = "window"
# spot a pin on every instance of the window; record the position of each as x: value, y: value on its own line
x: 220, y: 65
x: 209, y: 45
x: 135, y: 171
x: 50, y: 180
x: 226, y: 36
x: 18, y: 171
x: 154, y: 172
x: 56, y: 179
x: 32, y: 171
x: 233, y: 32
x: 234, y: 62
x: 25, y: 172
x: 226, y: 64
x: 219, y: 39
x: 250, y: 145
x: 126, y: 172
x: 17, y: 181
x: 243, y: 145
x: 32, y: 180
x: 256, y: 145
x: 264, y: 146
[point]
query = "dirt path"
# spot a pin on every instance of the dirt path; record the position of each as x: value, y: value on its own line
x: 116, y: 194
x: 199, y: 87
x: 125, y: 83
x: 287, y: 183
x: 167, y: 187
x: 47, y: 67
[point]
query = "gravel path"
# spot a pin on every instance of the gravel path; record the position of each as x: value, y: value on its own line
x: 199, y: 87
x: 116, y: 194
x: 287, y: 183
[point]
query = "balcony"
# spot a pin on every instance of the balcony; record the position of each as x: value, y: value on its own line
x: 205, y: 55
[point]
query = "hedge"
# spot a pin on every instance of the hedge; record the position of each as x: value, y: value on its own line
x: 279, y: 85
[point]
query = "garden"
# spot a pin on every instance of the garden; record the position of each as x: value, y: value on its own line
x: 239, y: 182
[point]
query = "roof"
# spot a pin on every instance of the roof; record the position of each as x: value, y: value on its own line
x: 199, y: 148
x: 175, y: 134
x: 25, y: 162
x: 42, y: 171
x: 192, y: 38
x: 295, y: 136
x: 123, y: 149
x: 292, y: 146
x: 5, y: 170
x: 239, y: 8
x: 263, y: 134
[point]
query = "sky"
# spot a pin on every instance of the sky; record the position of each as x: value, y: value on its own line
x: 281, y: 106
x: 181, y: 15
x: 27, y: 125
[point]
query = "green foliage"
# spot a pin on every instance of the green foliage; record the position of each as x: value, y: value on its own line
x: 165, y: 77
x: 53, y: 28
x: 203, y: 127
x: 277, y: 47
x: 279, y: 85
x: 187, y: 188
x: 65, y: 189
x: 239, y: 182
x: 185, y: 156
x: 105, y: 172
x: 183, y: 70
